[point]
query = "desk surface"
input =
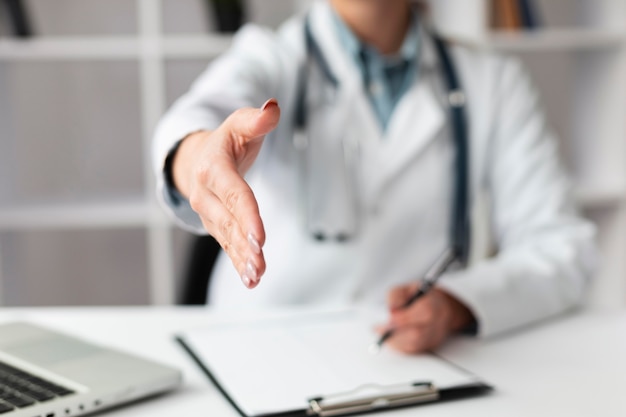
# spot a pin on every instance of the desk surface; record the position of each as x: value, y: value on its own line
x: 573, y: 366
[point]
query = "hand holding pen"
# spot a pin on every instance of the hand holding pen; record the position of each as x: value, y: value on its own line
x: 422, y: 315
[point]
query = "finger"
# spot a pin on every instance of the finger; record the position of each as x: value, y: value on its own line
x: 381, y: 329
x: 398, y: 296
x: 250, y: 123
x: 411, y: 340
x: 237, y: 197
x: 421, y: 312
x: 247, y: 259
x: 249, y: 266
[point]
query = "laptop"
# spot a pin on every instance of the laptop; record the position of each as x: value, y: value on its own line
x: 44, y: 373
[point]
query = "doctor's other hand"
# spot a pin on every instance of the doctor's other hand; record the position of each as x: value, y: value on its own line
x: 426, y: 323
x: 208, y: 169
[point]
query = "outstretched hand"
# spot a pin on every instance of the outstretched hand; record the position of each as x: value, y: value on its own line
x: 208, y: 169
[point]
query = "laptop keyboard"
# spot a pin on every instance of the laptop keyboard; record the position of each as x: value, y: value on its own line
x: 19, y: 389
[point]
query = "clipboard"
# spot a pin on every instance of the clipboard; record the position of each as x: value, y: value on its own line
x: 318, y: 364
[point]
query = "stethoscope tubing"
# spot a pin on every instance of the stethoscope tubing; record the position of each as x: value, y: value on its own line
x: 460, y: 224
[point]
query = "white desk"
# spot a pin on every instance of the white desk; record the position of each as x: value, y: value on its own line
x: 574, y: 366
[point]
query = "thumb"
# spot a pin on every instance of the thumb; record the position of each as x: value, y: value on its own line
x: 251, y: 123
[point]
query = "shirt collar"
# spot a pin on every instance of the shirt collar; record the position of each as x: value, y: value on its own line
x: 348, y: 40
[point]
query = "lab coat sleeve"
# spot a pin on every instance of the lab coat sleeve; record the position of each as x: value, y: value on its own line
x: 245, y: 76
x: 545, y: 250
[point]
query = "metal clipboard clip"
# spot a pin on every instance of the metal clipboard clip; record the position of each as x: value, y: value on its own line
x: 373, y: 397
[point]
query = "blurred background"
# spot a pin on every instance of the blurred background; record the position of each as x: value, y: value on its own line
x: 83, y: 83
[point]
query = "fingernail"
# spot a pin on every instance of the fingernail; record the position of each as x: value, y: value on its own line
x: 254, y: 244
x: 246, y: 280
x: 251, y: 271
x: 269, y: 103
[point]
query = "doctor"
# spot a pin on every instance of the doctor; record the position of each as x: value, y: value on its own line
x: 322, y: 158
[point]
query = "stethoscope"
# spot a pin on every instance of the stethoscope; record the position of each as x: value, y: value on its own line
x: 460, y: 224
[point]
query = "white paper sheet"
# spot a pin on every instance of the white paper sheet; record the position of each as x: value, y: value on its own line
x: 278, y: 365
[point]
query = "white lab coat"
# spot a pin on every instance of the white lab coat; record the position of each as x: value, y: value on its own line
x: 403, y: 182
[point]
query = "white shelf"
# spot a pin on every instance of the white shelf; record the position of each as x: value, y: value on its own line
x: 137, y: 213
x: 70, y: 48
x: 195, y: 46
x: 543, y: 40
x: 129, y: 213
x: 113, y: 47
x: 589, y: 197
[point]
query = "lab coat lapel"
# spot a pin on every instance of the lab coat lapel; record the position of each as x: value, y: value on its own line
x: 417, y: 120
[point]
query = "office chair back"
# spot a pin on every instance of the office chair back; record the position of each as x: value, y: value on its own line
x: 202, y: 256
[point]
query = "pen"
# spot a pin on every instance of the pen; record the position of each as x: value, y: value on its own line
x: 430, y: 279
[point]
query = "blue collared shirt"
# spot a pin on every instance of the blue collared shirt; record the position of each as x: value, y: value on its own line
x: 385, y: 78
